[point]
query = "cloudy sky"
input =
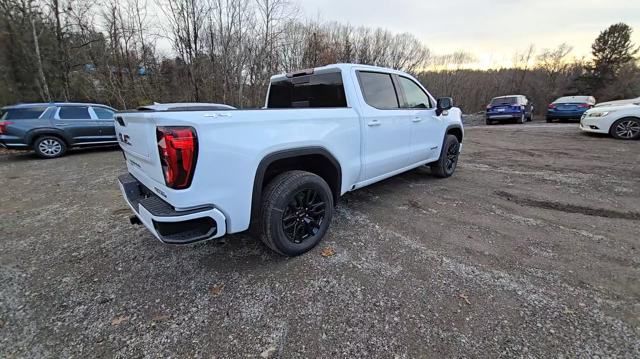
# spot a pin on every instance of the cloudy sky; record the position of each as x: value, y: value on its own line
x: 492, y: 30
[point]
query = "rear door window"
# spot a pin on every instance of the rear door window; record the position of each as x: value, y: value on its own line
x: 74, y: 113
x: 378, y: 90
x: 103, y: 113
x: 30, y: 113
x: 316, y: 90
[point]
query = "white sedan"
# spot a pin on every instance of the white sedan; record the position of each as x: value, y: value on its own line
x: 621, y: 122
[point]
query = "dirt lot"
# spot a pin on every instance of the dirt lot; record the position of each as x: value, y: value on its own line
x: 532, y: 249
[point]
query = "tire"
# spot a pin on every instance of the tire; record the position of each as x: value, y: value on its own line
x: 521, y: 119
x: 549, y: 120
x: 530, y: 117
x: 488, y: 122
x: 49, y: 147
x: 627, y: 128
x: 446, y: 165
x: 286, y: 223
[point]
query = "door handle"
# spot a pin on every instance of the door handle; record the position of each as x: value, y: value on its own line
x: 374, y: 123
x: 416, y: 119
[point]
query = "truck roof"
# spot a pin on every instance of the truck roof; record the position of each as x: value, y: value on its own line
x: 334, y: 67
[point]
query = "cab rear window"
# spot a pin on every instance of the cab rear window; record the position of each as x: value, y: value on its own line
x: 307, y: 91
x: 30, y: 113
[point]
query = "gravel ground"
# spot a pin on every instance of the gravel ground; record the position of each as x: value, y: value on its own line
x: 530, y: 250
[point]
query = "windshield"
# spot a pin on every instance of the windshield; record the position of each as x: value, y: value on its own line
x: 504, y: 101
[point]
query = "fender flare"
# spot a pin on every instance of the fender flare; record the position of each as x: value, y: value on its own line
x: 33, y: 134
x: 267, y: 160
x: 457, y: 127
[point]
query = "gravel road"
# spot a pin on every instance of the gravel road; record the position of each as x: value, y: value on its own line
x: 532, y: 249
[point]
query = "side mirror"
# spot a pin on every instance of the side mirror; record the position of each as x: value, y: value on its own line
x: 443, y: 104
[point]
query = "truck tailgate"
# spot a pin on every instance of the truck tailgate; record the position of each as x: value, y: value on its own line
x: 137, y: 136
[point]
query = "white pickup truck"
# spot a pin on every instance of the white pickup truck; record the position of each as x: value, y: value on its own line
x: 198, y: 172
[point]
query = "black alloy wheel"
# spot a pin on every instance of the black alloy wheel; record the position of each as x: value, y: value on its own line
x: 303, y: 216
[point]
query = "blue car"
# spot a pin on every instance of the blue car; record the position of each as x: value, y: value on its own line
x: 569, y: 107
x: 509, y: 108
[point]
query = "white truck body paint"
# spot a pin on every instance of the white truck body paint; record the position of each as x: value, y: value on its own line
x: 368, y: 143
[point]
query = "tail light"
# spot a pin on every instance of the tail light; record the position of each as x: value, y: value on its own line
x: 552, y: 106
x: 584, y: 105
x: 3, y: 126
x: 178, y: 149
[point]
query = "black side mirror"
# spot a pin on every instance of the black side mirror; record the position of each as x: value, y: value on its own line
x: 443, y: 104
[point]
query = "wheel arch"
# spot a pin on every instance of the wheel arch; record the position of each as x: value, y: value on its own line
x: 611, y: 128
x: 35, y: 134
x: 455, y: 130
x: 317, y: 160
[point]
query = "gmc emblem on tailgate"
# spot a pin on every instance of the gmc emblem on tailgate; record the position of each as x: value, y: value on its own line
x: 124, y: 139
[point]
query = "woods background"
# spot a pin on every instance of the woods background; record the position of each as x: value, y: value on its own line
x: 127, y: 53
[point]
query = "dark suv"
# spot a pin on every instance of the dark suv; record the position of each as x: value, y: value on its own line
x: 51, y: 128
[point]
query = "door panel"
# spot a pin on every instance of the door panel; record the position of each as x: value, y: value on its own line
x: 426, y: 135
x: 77, y: 123
x: 105, y: 120
x: 387, y: 145
x: 425, y: 126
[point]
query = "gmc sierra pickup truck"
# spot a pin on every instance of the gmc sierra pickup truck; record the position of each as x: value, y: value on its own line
x: 197, y: 172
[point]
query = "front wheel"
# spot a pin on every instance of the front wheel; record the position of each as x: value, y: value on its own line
x: 297, y: 208
x: 626, y: 129
x: 448, y: 161
x: 521, y: 119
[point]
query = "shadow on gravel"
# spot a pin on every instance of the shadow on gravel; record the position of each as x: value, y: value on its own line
x: 569, y: 208
x: 18, y: 156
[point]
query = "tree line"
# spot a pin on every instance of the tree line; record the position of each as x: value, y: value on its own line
x: 127, y: 53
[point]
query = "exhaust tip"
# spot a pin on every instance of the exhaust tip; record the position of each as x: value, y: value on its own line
x: 135, y: 220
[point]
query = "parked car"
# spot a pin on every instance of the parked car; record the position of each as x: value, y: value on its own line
x: 620, y: 121
x: 509, y: 108
x: 196, y: 175
x: 569, y: 107
x: 618, y: 102
x: 50, y: 129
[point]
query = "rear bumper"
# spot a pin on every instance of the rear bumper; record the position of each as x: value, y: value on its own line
x: 503, y: 115
x: 167, y: 224
x: 565, y: 115
x: 12, y: 142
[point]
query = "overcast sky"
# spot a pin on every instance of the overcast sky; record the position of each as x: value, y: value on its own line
x: 491, y: 30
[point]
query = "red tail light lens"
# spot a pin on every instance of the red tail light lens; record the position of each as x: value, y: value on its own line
x: 178, y: 149
x: 3, y: 126
x: 552, y: 106
x: 584, y: 105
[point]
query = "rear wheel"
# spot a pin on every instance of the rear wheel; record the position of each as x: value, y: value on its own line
x: 488, y: 122
x: 549, y: 120
x: 297, y: 208
x: 49, y: 147
x: 626, y: 129
x: 521, y: 119
x: 448, y: 161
